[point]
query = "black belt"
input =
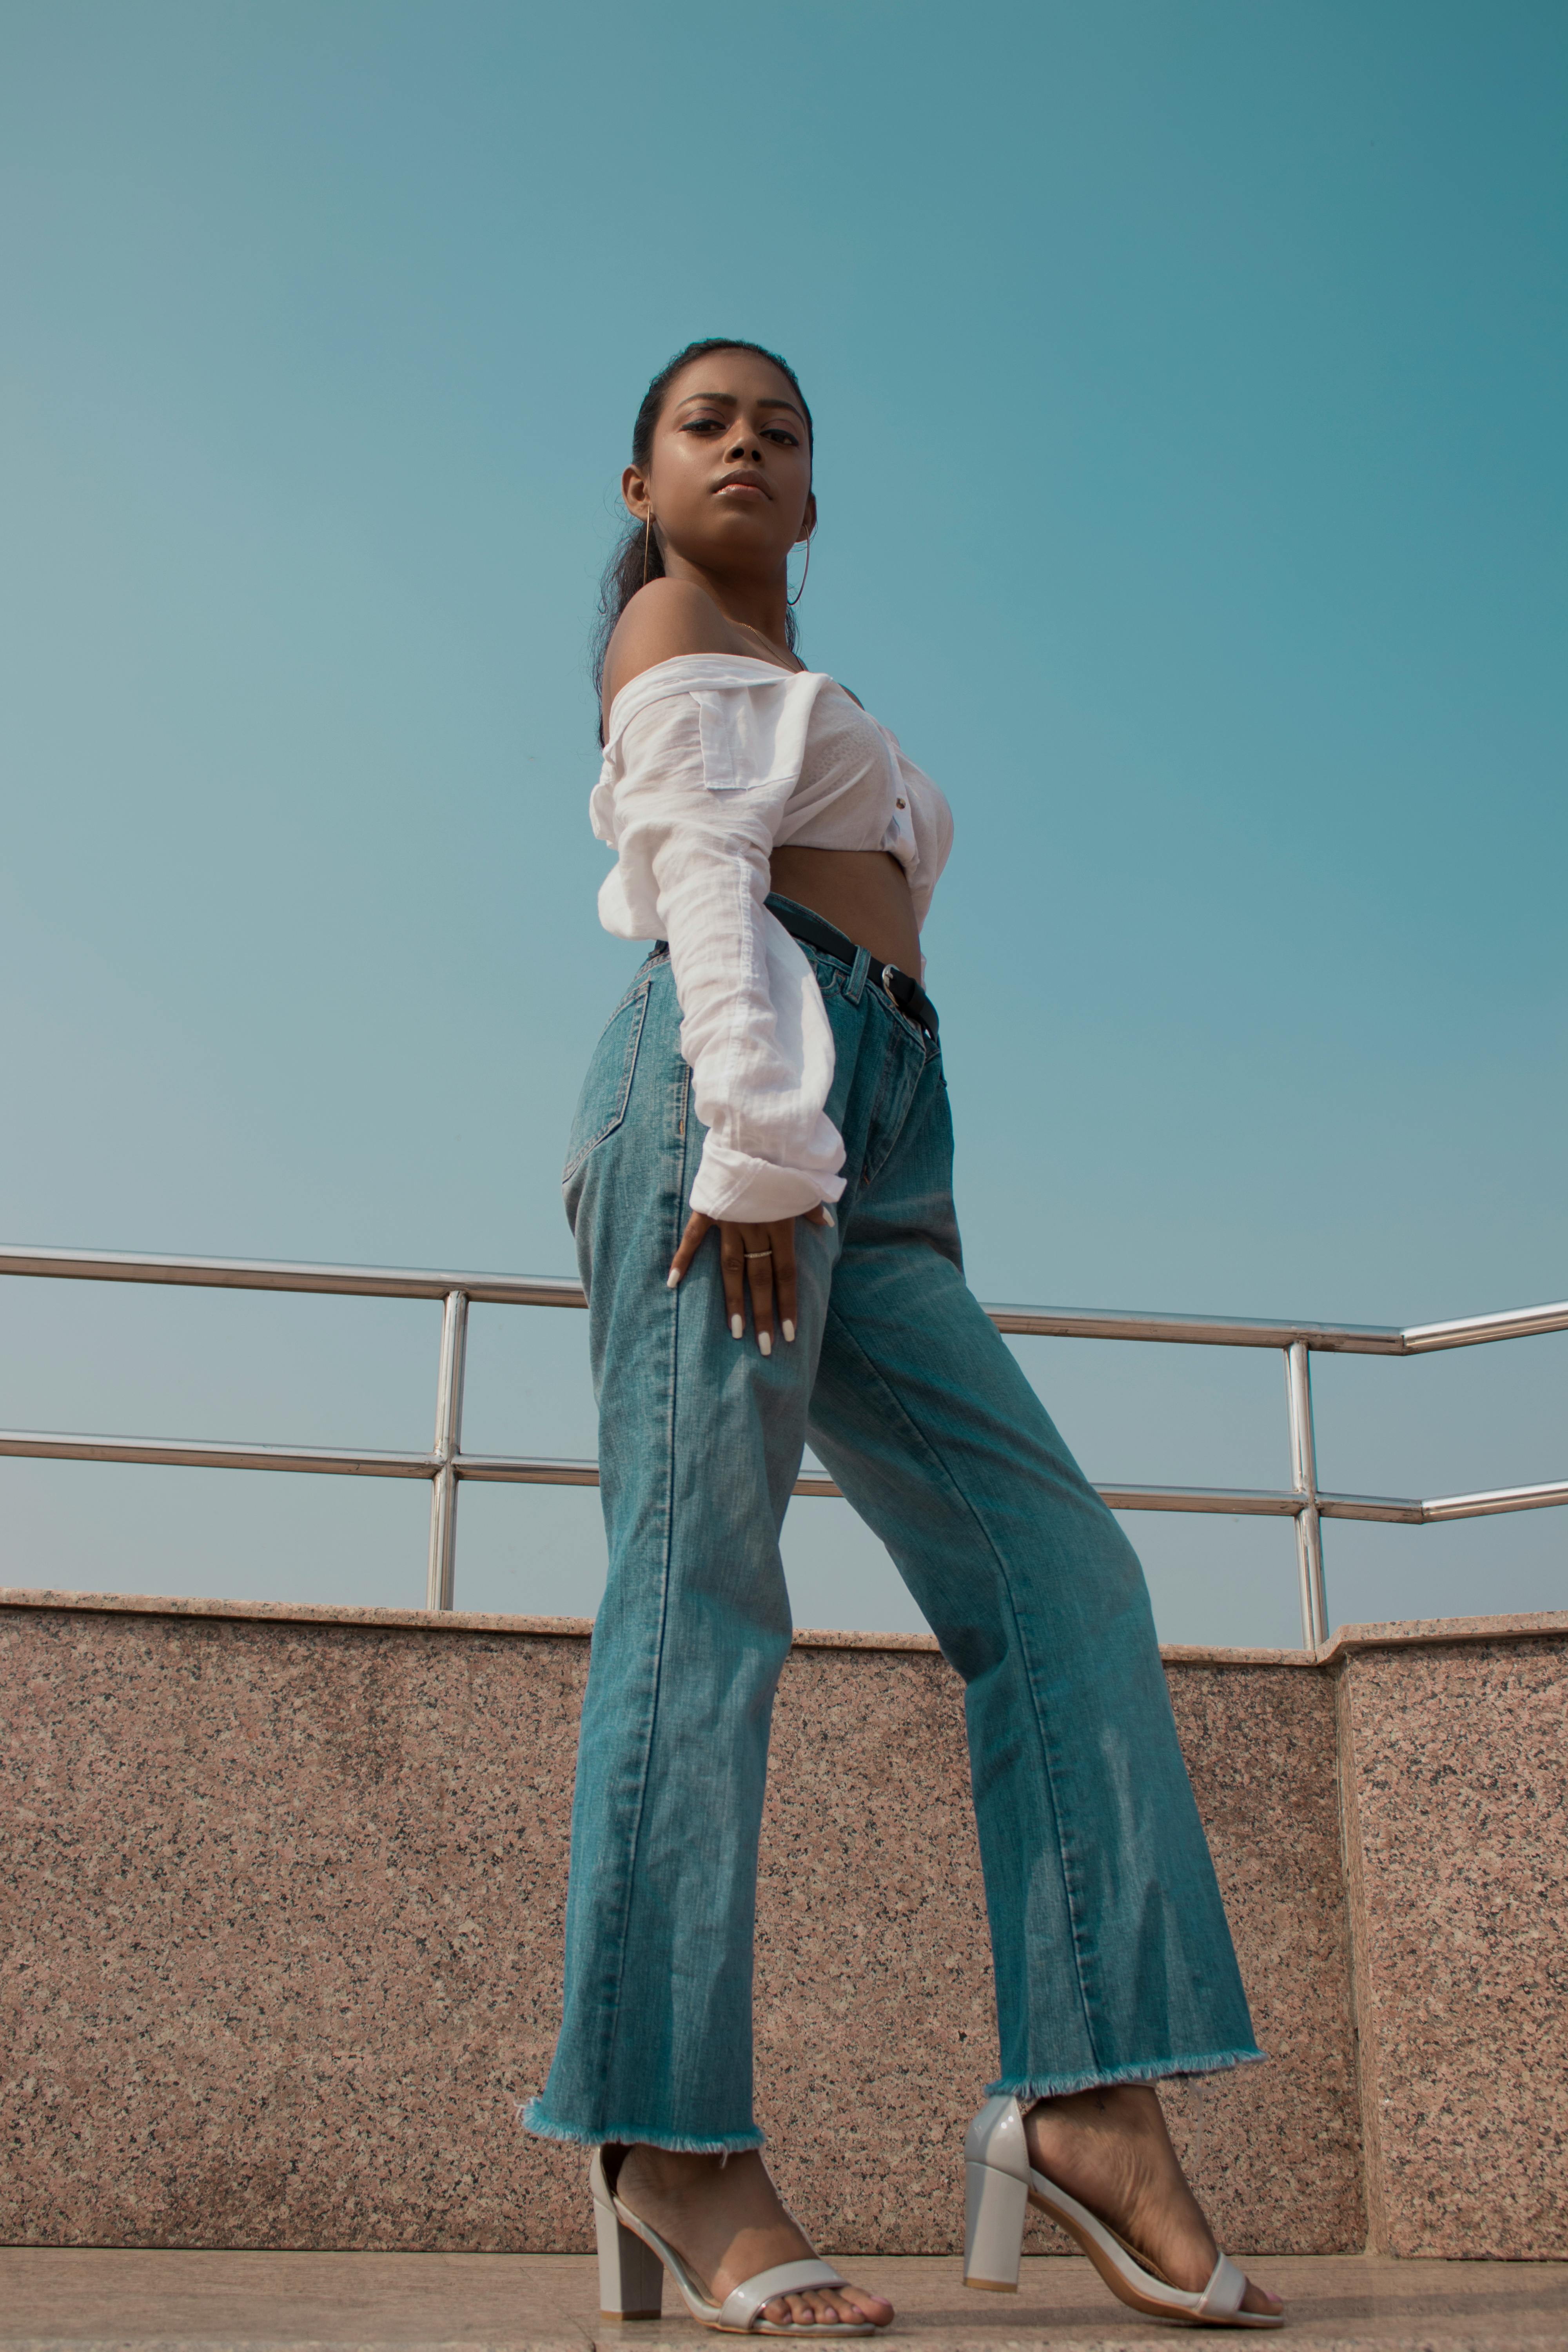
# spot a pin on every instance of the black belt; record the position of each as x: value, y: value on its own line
x: 813, y: 932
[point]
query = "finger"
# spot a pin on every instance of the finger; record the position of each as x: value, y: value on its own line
x: 732, y: 1259
x: 759, y: 1265
x: 783, y: 1239
x: 697, y: 1230
x: 820, y: 1216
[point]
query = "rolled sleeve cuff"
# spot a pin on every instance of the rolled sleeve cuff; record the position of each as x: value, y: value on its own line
x: 742, y: 1190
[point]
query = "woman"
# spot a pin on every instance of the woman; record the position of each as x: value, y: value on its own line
x: 759, y: 1186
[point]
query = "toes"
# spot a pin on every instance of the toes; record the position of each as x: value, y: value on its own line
x: 825, y: 2310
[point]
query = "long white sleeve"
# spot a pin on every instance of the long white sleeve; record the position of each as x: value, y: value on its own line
x: 703, y: 754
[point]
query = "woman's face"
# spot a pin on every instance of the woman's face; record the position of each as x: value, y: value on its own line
x: 729, y: 480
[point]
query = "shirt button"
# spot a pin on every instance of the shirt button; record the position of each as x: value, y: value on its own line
x: 897, y: 804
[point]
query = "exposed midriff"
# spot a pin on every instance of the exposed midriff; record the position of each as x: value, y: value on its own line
x: 863, y: 893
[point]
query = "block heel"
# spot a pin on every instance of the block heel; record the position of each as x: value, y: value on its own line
x: 631, y: 2276
x: 995, y: 2208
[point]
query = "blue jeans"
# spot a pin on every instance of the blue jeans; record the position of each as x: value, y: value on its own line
x: 1113, y: 1961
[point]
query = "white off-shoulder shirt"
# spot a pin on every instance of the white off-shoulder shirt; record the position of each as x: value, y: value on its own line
x: 712, y: 762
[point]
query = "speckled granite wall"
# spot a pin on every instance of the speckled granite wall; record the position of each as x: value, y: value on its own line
x: 285, y: 1894
x: 1456, y: 1778
x: 284, y: 1913
x: 283, y: 1905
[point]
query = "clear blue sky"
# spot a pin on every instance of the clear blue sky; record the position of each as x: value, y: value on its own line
x: 1189, y: 377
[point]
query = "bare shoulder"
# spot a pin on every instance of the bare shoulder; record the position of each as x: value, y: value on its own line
x: 663, y: 621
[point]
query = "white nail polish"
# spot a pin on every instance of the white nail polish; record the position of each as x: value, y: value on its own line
x: 672, y: 1278
x: 789, y: 1330
x: 736, y: 1327
x: 765, y: 1342
x: 828, y: 1216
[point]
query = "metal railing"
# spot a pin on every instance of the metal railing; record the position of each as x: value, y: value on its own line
x: 446, y: 1464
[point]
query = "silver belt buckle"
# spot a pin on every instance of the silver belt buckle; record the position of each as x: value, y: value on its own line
x: 888, y: 972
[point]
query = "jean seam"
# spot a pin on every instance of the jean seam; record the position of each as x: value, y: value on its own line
x: 868, y: 1174
x: 1070, y: 1888
x: 629, y: 1076
x: 635, y: 1839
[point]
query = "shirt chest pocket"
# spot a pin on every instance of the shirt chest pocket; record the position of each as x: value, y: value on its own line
x: 755, y: 737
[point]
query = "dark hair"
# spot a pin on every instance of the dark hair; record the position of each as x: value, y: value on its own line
x: 624, y: 574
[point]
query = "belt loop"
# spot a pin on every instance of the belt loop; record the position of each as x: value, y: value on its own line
x: 858, y: 976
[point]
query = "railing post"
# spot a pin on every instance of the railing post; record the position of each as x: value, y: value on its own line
x: 449, y: 1441
x: 1304, y: 1478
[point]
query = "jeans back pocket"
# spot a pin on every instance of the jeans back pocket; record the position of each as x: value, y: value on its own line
x: 607, y: 1087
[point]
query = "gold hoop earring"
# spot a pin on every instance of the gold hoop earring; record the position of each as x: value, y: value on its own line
x: 646, y: 529
x: 801, y: 590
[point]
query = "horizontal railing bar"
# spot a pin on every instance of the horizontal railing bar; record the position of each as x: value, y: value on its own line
x: 527, y: 1470
x: 546, y: 1470
x: 560, y: 1470
x: 1484, y: 1506
x: 1196, y: 1330
x: 560, y: 1290
x: 1240, y: 1502
x: 1245, y: 1502
x: 1501, y: 1499
x: 203, y: 1454
x: 1241, y: 1331
x: 1399, y: 1510
x: 1514, y: 1323
x: 267, y: 1274
x: 503, y: 1469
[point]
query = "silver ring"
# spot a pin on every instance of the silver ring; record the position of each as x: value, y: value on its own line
x: 756, y: 1253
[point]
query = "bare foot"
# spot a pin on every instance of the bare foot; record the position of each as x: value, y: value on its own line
x: 1109, y: 2149
x: 726, y: 2222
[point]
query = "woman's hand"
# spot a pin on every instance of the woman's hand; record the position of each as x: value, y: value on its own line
x: 760, y: 1255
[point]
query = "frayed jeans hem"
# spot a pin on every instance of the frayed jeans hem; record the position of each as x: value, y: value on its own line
x: 1026, y: 2087
x: 534, y: 2119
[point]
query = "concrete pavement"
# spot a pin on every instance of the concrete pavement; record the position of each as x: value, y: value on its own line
x: 92, y: 2299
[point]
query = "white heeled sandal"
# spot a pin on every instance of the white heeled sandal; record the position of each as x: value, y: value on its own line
x: 1000, y: 2186
x: 633, y: 2259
